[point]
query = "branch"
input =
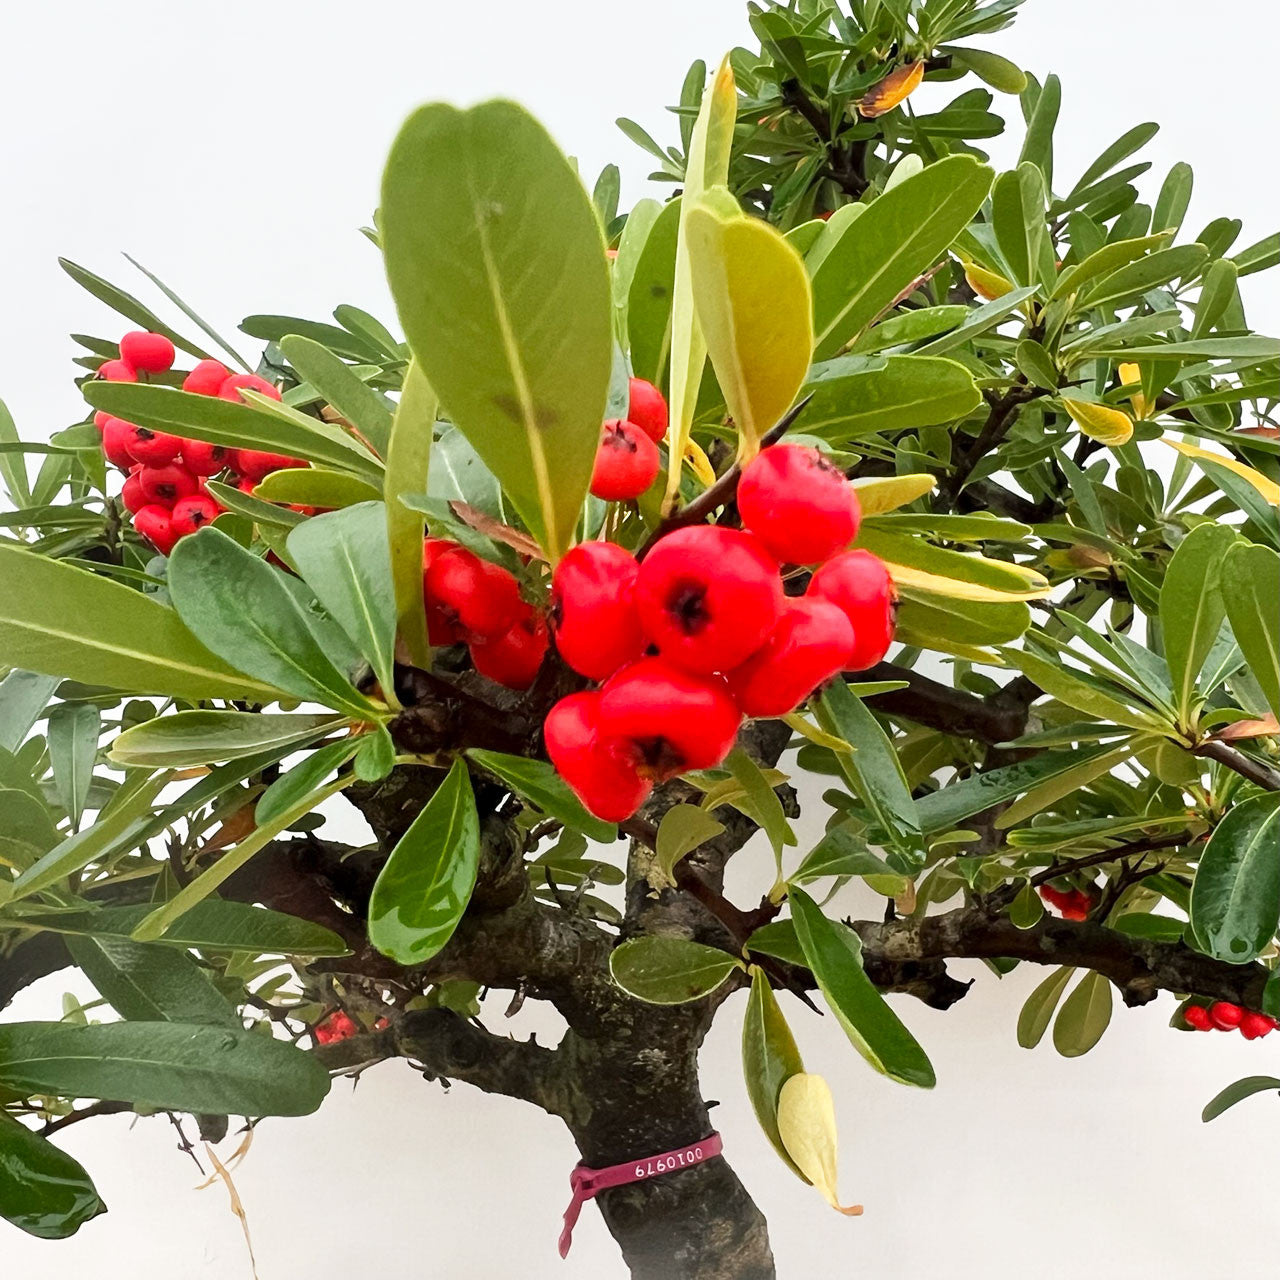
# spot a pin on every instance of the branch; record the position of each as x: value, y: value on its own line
x: 1262, y: 775
x: 1004, y: 412
x: 998, y: 718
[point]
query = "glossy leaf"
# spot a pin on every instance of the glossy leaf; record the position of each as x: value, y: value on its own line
x: 769, y: 1058
x: 316, y: 487
x: 683, y: 828
x: 342, y: 388
x: 188, y: 738
x: 839, y: 853
x: 73, y: 749
x: 1238, y: 1092
x: 424, y: 888
x: 667, y: 970
x: 1251, y: 591
x: 290, y: 790
x: 539, y: 783
x: 1084, y: 1016
x: 43, y: 1191
x: 512, y: 326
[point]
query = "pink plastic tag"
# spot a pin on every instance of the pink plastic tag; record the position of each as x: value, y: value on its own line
x: 588, y: 1183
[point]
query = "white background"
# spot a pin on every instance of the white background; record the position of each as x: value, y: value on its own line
x: 234, y: 149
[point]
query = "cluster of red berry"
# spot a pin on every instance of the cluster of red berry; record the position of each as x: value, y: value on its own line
x: 1071, y: 904
x: 627, y: 459
x: 1222, y: 1015
x: 336, y: 1027
x: 165, y: 475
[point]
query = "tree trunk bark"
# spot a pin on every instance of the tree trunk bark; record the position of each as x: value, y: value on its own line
x: 632, y: 1093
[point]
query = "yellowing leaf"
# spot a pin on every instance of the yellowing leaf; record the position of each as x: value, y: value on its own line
x: 807, y: 1126
x: 699, y: 463
x: 887, y: 493
x: 755, y: 308
x: 905, y: 576
x: 987, y: 284
x: 708, y: 166
x: 895, y: 88
x: 1267, y: 488
x: 1131, y: 375
x: 1100, y: 421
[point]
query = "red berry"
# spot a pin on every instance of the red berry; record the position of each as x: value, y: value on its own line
x: 190, y: 514
x: 600, y: 772
x: 1196, y: 1016
x: 480, y: 599
x: 798, y: 504
x: 116, y: 371
x: 153, y: 522
x: 247, y: 486
x: 1226, y: 1016
x: 671, y: 720
x: 204, y: 459
x: 166, y: 485
x: 115, y: 443
x: 514, y: 659
x: 1253, y: 1026
x: 593, y: 610
x: 335, y: 1028
x: 647, y: 409
x: 708, y: 597
x: 101, y: 418
x: 236, y: 382
x: 1077, y: 905
x: 812, y: 641
x: 148, y: 352
x: 441, y: 627
x: 627, y: 462
x: 206, y: 378
x: 152, y: 448
x: 255, y: 465
x: 859, y: 583
x: 131, y: 495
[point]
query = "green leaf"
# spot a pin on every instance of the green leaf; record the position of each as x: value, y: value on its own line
x: 834, y: 955
x: 212, y: 925
x: 316, y: 487
x: 1238, y: 1092
x: 13, y: 467
x: 683, y: 828
x: 1037, y: 147
x: 1251, y: 590
x: 762, y: 799
x: 1235, y: 898
x: 23, y: 696
x: 73, y: 748
x: 539, y: 783
x: 1251, y: 347
x: 408, y: 465
x: 1217, y: 292
x: 163, y: 1066
x: 649, y: 297
x: 135, y: 643
x: 841, y: 852
x: 667, y: 970
x: 1080, y: 692
x: 188, y: 738
x: 1083, y: 1017
x: 1017, y: 212
x: 1174, y: 198
x: 512, y: 326
x: 769, y: 1058
x: 754, y: 309
x: 1129, y: 283
x: 1033, y: 1021
x: 1192, y: 608
x: 1104, y: 261
x: 345, y: 558
x: 1051, y: 790
x: 998, y: 72
x: 239, y: 606
x: 424, y: 888
x: 43, y: 1191
x: 291, y: 789
x: 901, y: 234
x: 635, y: 235
x: 343, y: 389
x: 146, y: 982
x: 778, y: 939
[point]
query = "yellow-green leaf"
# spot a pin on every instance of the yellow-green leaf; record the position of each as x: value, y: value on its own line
x: 807, y: 1127
x: 1101, y: 422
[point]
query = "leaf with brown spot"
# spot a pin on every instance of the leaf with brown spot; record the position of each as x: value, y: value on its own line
x: 894, y: 89
x: 493, y: 528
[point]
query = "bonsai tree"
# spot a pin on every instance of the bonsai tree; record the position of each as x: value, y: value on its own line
x: 941, y: 500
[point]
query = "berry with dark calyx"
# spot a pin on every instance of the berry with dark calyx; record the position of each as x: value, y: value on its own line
x: 206, y: 378
x: 672, y: 721
x: 131, y: 495
x: 479, y: 599
x: 647, y: 408
x: 190, y: 514
x: 147, y: 352
x: 155, y: 523
x: 115, y: 443
x: 1225, y: 1015
x: 600, y: 772
x: 116, y: 371
x: 152, y: 448
x: 1196, y: 1016
x: 336, y: 1027
x: 798, y: 504
x: 256, y: 465
x: 593, y: 610
x: 514, y: 658
x: 860, y: 584
x: 810, y: 644
x: 627, y: 462
x: 204, y: 459
x: 1253, y: 1026
x: 708, y: 597
x: 237, y: 382
x: 168, y: 484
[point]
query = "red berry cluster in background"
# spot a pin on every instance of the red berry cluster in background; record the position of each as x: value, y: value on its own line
x: 700, y: 633
x: 1222, y: 1015
x: 1071, y: 904
x: 336, y: 1027
x: 165, y: 475
x: 471, y: 601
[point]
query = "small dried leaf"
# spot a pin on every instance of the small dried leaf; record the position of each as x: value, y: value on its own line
x: 895, y: 88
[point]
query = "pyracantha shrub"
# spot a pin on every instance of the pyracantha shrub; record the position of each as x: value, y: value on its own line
x: 854, y: 474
